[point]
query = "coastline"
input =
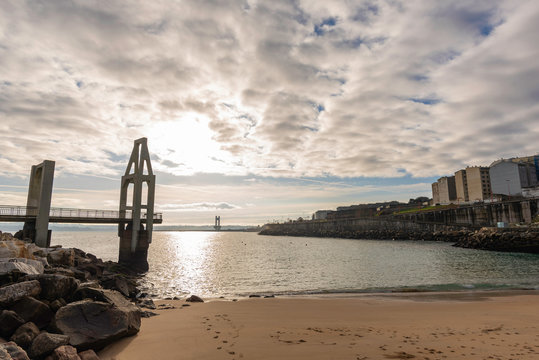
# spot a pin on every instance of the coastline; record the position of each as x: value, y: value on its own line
x: 468, y: 324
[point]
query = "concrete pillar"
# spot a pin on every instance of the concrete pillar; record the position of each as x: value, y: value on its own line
x: 134, y: 244
x: 39, y: 203
x: 138, y: 259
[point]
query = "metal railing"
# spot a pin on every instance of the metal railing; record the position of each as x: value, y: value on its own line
x: 8, y: 210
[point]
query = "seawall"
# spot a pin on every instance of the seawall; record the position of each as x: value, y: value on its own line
x: 460, y: 225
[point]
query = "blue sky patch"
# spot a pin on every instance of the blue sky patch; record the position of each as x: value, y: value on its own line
x: 418, y: 77
x: 320, y: 29
x: 425, y: 101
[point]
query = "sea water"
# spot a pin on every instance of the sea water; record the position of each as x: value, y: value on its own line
x: 213, y: 264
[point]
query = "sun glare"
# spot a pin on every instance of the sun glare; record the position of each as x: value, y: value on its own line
x: 187, y: 145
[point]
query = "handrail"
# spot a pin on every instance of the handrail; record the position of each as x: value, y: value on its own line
x: 71, y: 213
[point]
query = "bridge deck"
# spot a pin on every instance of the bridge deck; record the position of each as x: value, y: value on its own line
x: 62, y: 215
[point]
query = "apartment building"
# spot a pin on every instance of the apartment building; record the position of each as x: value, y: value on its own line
x: 478, y: 181
x: 509, y: 177
x: 461, y: 186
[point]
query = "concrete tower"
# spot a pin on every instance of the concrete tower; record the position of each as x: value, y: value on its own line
x: 39, y: 203
x: 134, y: 239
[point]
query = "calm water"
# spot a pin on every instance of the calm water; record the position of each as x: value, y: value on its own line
x: 215, y: 264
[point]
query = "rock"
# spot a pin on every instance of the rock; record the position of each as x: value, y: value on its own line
x: 65, y: 352
x: 4, y: 355
x: 60, y: 256
x: 119, y: 283
x: 109, y: 296
x: 147, y: 303
x: 148, y: 314
x: 22, y: 265
x: 15, y: 352
x: 33, y: 310
x: 9, y: 322
x: 14, y: 249
x: 55, y: 286
x: 12, y: 293
x: 88, y: 355
x: 60, y: 271
x: 94, y: 284
x: 45, y: 343
x: 80, y: 275
x: 95, y: 270
x: 25, y: 334
x: 95, y: 324
x: 194, y: 298
x: 57, y: 304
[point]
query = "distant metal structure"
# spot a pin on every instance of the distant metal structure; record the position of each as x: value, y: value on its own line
x: 134, y: 239
x: 217, y: 225
x: 39, y: 201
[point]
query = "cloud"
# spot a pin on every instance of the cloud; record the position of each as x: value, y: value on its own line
x: 283, y: 89
x: 197, y: 207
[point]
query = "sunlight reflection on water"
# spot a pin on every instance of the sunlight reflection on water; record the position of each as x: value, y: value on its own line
x: 213, y: 264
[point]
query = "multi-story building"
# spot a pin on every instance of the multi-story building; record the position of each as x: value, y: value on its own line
x: 532, y: 160
x: 478, y: 179
x: 461, y: 185
x: 435, y: 194
x: 446, y: 190
x: 508, y: 177
x: 321, y: 214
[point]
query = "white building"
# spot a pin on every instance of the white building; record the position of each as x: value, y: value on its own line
x: 321, y: 214
x: 508, y: 177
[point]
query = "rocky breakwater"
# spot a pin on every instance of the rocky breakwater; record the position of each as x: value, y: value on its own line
x: 451, y: 235
x: 510, y: 240
x: 60, y: 303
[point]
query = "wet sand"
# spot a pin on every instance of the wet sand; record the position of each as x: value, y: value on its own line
x: 471, y: 325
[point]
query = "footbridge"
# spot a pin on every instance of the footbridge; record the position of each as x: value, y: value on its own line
x: 135, y: 217
x: 10, y: 213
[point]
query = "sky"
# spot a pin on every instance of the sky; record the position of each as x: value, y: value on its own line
x: 263, y: 110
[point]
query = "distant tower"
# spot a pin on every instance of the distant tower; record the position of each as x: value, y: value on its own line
x: 134, y: 239
x: 217, y: 225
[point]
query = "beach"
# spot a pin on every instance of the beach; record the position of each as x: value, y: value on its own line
x: 460, y: 325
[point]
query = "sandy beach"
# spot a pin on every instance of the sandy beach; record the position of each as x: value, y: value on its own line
x: 474, y: 325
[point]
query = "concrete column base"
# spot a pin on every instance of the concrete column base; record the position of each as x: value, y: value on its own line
x: 137, y: 261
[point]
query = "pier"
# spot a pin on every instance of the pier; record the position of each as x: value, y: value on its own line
x: 135, y: 217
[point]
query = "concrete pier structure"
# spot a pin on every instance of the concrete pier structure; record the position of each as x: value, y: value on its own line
x: 134, y: 238
x: 39, y: 203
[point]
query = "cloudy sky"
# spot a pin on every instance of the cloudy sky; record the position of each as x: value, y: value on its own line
x: 262, y: 110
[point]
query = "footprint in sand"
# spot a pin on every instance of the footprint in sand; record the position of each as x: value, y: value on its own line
x: 399, y: 355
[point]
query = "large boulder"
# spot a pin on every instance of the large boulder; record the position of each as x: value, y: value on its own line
x: 14, y: 292
x: 65, y: 352
x: 9, y: 322
x: 25, y: 334
x: 14, y: 249
x: 15, y: 352
x: 55, y: 286
x: 95, y: 324
x: 60, y: 256
x: 22, y: 265
x: 33, y: 310
x: 119, y: 283
x: 45, y: 343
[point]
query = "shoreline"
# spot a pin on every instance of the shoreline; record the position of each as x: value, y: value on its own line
x: 413, y: 292
x: 471, y: 325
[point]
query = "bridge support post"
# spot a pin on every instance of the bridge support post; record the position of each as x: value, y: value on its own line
x: 39, y: 203
x: 134, y: 239
x: 137, y: 260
